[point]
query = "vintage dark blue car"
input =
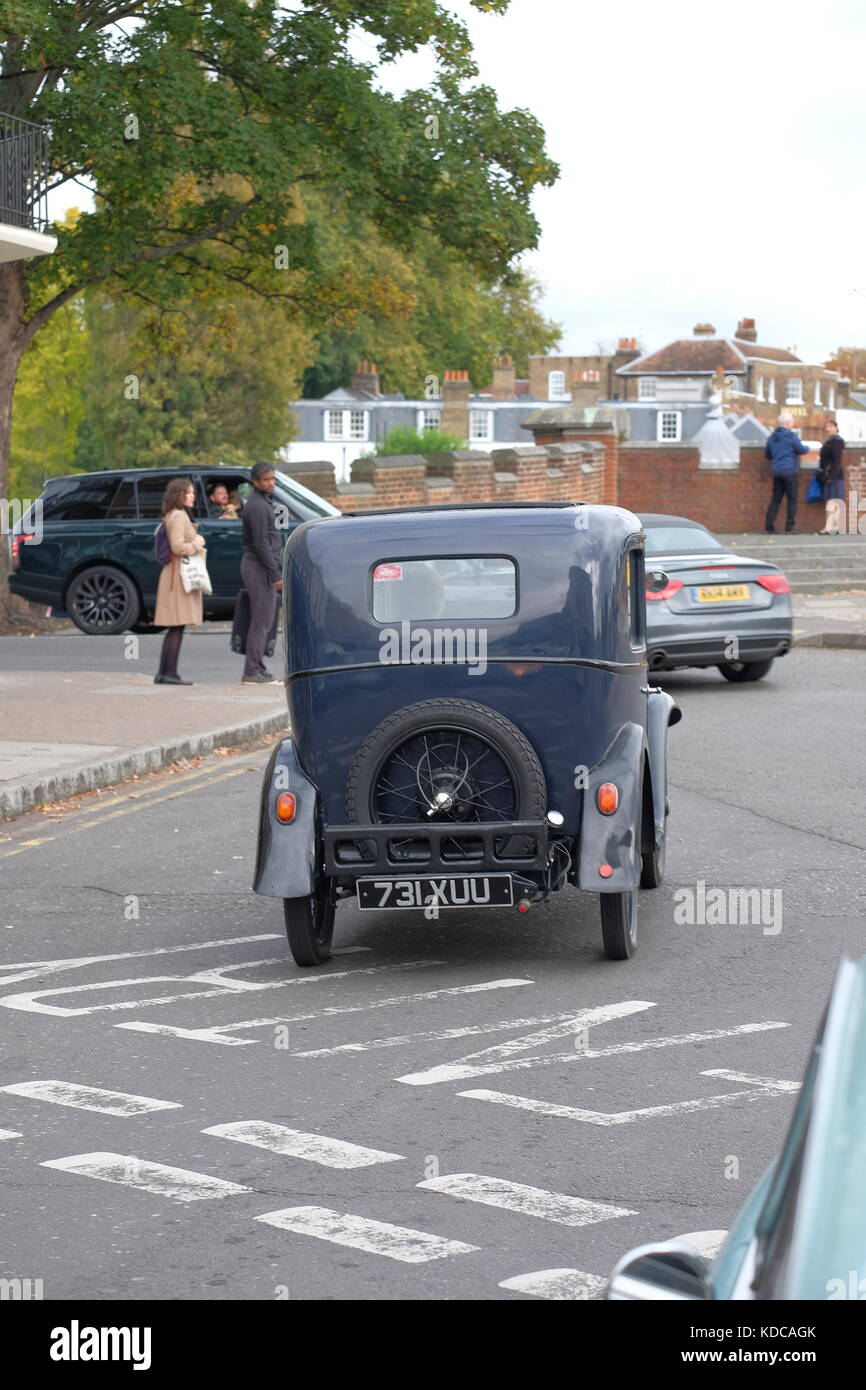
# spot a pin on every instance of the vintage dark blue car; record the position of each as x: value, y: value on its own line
x: 471, y: 720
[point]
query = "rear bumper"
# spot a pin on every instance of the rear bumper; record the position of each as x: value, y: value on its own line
x: 356, y: 851
x: 710, y: 649
x: 36, y: 588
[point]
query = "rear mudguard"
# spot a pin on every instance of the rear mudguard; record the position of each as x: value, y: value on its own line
x: 286, y: 854
x: 662, y: 711
x: 614, y: 840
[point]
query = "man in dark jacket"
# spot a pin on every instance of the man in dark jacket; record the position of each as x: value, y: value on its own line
x: 783, y: 449
x: 261, y: 569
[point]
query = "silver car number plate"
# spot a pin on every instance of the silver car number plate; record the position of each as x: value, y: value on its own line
x: 464, y: 890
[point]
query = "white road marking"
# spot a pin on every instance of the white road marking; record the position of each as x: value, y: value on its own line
x: 529, y: 1201
x: 10, y: 1134
x: 180, y: 1184
x: 767, y: 1083
x: 500, y: 1057
x: 376, y: 1237
x: 627, y: 1117
x: 225, y: 988
x: 30, y: 969
x: 218, y: 1033
x: 459, y: 1071
x: 557, y: 1284
x: 89, y: 1097
x: 295, y: 1143
x: 433, y: 1035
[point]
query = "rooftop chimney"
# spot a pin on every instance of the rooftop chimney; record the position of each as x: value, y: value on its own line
x: 366, y: 378
x: 504, y: 378
x: 455, y: 403
x: 704, y: 330
x: 746, y: 331
x: 626, y: 351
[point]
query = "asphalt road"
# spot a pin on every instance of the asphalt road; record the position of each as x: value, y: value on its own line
x: 139, y: 962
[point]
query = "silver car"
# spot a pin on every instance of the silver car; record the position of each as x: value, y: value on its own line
x: 717, y: 608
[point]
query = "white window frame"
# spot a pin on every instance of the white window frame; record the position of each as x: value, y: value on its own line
x: 429, y: 418
x: 818, y: 393
x: 474, y: 417
x: 661, y: 435
x: 759, y: 388
x: 342, y: 420
x: 646, y: 388
x: 794, y: 383
x: 771, y: 390
x: 831, y: 398
x: 556, y: 386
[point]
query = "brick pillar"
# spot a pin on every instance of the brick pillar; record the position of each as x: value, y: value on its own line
x: 504, y: 379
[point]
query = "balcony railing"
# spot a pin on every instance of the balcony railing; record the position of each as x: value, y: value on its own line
x: 23, y: 174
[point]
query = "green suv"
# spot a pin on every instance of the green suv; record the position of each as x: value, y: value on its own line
x: 90, y: 552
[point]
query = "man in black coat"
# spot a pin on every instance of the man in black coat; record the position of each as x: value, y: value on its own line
x: 261, y: 570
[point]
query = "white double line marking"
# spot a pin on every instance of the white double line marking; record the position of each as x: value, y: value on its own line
x: 295, y: 1143
x: 529, y: 1201
x: 89, y: 1097
x: 220, y: 1033
x: 359, y: 1233
x: 180, y: 1184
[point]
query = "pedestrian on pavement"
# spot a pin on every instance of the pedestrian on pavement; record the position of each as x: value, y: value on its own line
x: 175, y: 608
x: 830, y: 465
x: 261, y: 570
x: 783, y: 449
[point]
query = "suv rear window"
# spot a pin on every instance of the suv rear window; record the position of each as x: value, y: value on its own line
x: 79, y: 499
x: 456, y: 587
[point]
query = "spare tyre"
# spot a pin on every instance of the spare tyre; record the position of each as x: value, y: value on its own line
x: 447, y: 760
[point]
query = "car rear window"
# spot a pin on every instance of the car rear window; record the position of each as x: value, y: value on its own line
x: 665, y: 540
x: 79, y: 499
x: 454, y: 588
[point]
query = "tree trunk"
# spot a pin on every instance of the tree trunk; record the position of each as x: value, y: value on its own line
x: 14, y: 336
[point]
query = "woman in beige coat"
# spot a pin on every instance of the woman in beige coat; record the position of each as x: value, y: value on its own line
x: 174, y: 607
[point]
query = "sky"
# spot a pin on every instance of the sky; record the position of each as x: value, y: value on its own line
x: 712, y: 160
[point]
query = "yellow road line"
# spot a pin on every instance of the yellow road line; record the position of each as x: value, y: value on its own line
x: 141, y: 805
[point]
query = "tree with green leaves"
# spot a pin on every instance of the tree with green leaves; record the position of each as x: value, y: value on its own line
x: 202, y: 127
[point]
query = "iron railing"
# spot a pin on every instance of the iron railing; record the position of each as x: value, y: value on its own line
x: 23, y: 173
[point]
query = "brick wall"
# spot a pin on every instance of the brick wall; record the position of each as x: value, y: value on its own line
x: 667, y: 478
x: 643, y: 477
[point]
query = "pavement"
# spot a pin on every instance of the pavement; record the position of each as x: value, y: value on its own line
x: 110, y: 722
x: 81, y: 713
x: 480, y: 1107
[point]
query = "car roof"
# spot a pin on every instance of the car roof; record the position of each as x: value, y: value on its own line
x: 148, y: 472
x: 661, y: 519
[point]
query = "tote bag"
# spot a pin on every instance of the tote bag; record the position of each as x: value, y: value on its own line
x: 194, y: 575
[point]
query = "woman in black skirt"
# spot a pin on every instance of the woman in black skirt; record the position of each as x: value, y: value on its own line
x: 830, y: 464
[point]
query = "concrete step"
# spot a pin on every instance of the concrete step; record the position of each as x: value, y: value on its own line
x: 825, y: 586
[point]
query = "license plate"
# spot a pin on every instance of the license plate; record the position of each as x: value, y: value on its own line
x: 465, y: 890
x: 720, y: 593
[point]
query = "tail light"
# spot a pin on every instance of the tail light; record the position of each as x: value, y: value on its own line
x: 671, y: 588
x: 17, y: 542
x: 607, y: 797
x: 776, y: 583
x: 286, y: 807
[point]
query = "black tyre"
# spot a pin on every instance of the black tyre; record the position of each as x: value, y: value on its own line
x: 447, y: 760
x: 619, y: 924
x: 103, y: 601
x: 745, y: 670
x: 652, y: 866
x: 310, y: 924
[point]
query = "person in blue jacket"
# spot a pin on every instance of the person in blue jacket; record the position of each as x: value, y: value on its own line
x: 783, y: 449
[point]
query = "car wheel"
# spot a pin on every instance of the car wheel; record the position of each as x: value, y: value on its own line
x: 447, y: 760
x: 310, y: 924
x: 103, y: 601
x: 619, y: 924
x: 745, y: 670
x: 652, y: 863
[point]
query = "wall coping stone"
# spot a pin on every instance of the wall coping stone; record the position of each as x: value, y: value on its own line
x: 293, y: 466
